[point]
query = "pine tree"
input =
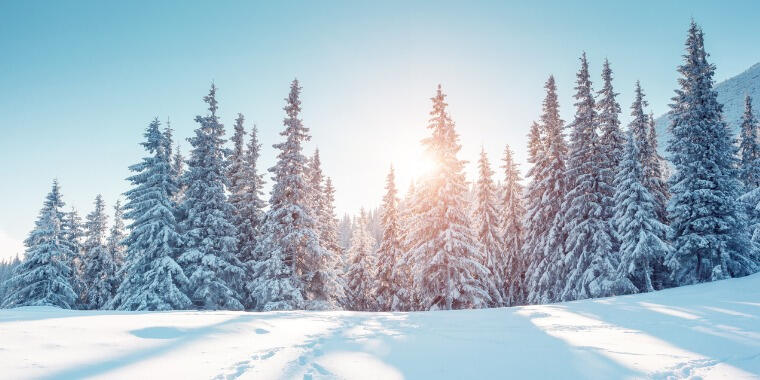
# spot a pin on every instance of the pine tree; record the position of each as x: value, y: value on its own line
x: 392, y: 287
x: 73, y: 236
x: 749, y: 148
x: 749, y: 167
x: 543, y: 228
x: 709, y: 231
x: 152, y: 279
x: 250, y: 213
x: 486, y: 218
x: 512, y: 232
x: 590, y: 267
x: 209, y: 237
x: 178, y: 171
x: 611, y: 137
x: 44, y: 277
x: 329, y: 241
x: 286, y: 276
x: 362, y: 273
x: 99, y: 265
x: 642, y: 237
x: 446, y: 256
x: 611, y: 143
x: 116, y: 236
x: 647, y: 143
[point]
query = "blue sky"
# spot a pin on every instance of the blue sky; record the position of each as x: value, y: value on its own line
x: 81, y: 80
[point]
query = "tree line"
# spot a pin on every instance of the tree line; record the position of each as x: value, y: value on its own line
x: 600, y: 216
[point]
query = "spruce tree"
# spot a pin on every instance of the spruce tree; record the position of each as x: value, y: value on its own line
x: 749, y: 148
x: 647, y: 145
x: 749, y: 168
x: 73, y: 236
x: 250, y: 213
x: 446, y: 256
x: 361, y: 279
x: 590, y: 269
x: 99, y: 265
x: 642, y: 237
x: 151, y: 277
x: 543, y: 223
x: 209, y: 237
x: 611, y: 137
x: 43, y: 278
x: 392, y: 287
x: 290, y: 249
x: 709, y: 230
x: 486, y: 217
x: 512, y: 232
x: 114, y: 244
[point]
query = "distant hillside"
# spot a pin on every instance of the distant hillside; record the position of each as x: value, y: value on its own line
x: 731, y: 94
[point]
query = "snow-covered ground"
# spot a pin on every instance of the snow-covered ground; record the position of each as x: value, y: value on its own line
x: 704, y: 331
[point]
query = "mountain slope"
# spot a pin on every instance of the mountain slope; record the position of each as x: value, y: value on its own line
x: 731, y: 93
x: 701, y: 331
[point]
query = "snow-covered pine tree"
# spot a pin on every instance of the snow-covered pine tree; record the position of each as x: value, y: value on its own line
x: 642, y: 237
x: 44, y: 277
x: 511, y: 222
x: 611, y: 137
x: 250, y: 212
x: 361, y: 279
x: 290, y: 246
x: 99, y: 265
x: 114, y: 243
x: 446, y: 257
x: 329, y: 240
x: 344, y: 232
x: 749, y: 148
x: 151, y: 277
x: 611, y: 141
x: 749, y: 167
x: 73, y: 236
x: 708, y: 227
x: 591, y: 269
x: 543, y: 249
x: 178, y: 172
x: 326, y: 286
x: 486, y: 225
x: 392, y: 287
x: 209, y: 238
x: 648, y: 156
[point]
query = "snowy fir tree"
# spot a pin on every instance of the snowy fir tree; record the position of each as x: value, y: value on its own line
x: 590, y: 267
x: 44, y: 277
x: 749, y: 168
x: 250, y: 211
x: 361, y: 278
x: 709, y: 231
x: 512, y: 212
x: 152, y: 279
x: 73, y: 236
x: 209, y: 239
x: 446, y: 257
x: 328, y: 239
x: 392, y: 285
x: 290, y: 246
x: 611, y: 139
x: 543, y: 249
x: 99, y: 265
x: 344, y: 232
x: 116, y: 236
x: 486, y: 224
x: 749, y: 148
x: 178, y: 171
x: 650, y: 161
x: 325, y: 287
x: 642, y: 237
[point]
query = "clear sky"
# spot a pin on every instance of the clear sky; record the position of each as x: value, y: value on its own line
x: 79, y: 81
